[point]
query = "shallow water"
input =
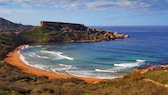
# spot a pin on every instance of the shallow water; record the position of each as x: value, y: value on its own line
x: 107, y: 59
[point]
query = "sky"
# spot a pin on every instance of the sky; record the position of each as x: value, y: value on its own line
x: 88, y: 12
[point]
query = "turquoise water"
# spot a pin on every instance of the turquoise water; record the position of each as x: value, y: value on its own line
x: 107, y: 59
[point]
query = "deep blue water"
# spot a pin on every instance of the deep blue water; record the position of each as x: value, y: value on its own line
x: 107, y: 59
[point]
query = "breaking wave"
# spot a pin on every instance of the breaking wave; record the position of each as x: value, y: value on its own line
x: 131, y: 64
x: 23, y: 58
x: 55, y: 54
x: 105, y: 70
x: 91, y: 73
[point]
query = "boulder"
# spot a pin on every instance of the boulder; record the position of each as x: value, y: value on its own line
x: 116, y: 35
x: 120, y: 36
x: 126, y: 36
x: 112, y: 36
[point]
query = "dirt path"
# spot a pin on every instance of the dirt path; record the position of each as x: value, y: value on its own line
x: 160, y: 84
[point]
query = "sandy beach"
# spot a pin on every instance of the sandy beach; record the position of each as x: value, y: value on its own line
x: 14, y: 59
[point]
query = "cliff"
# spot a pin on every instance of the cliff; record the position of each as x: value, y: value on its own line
x: 63, y: 25
x: 55, y: 32
x: 8, y: 26
x: 72, y: 32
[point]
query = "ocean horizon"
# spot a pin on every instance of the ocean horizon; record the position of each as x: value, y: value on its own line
x: 147, y: 45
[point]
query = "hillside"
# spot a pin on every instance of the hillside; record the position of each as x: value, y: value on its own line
x: 54, y: 32
x: 8, y: 26
x: 8, y: 42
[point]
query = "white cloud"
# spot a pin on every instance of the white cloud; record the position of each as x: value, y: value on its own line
x: 67, y: 4
x: 106, y: 4
x: 87, y: 4
x: 119, y: 4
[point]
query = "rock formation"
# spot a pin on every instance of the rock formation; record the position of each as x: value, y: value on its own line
x: 63, y: 26
x: 54, y: 32
x: 80, y: 33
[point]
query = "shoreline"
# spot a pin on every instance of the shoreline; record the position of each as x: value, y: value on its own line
x: 13, y: 58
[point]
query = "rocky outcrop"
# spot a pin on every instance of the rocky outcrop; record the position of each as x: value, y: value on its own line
x: 63, y: 26
x: 8, y: 26
x: 62, y: 31
x: 126, y: 36
x: 80, y: 33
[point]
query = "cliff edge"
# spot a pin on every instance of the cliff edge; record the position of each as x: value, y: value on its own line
x: 73, y: 32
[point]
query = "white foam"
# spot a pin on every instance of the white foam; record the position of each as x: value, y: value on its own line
x: 22, y: 58
x: 106, y: 70
x: 91, y: 74
x: 38, y: 45
x: 142, y: 61
x: 59, y: 69
x: 111, y: 70
x: 40, y: 56
x: 58, y: 55
x: 26, y: 46
x: 127, y: 64
x: 40, y: 66
x: 64, y: 65
x: 84, y: 73
x: 131, y: 64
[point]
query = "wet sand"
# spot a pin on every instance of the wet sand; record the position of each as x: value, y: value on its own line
x: 14, y: 59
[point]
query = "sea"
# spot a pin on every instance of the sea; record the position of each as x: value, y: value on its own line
x: 147, y: 45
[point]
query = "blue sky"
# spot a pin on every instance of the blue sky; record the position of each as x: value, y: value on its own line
x: 88, y: 12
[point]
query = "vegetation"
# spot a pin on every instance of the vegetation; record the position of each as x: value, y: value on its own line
x: 43, y: 35
x: 160, y: 76
x: 15, y: 82
x: 35, y: 36
x: 60, y: 33
x: 8, y: 42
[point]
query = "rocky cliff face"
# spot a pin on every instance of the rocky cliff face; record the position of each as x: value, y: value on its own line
x: 54, y: 32
x: 81, y: 33
x: 63, y: 26
x: 8, y: 26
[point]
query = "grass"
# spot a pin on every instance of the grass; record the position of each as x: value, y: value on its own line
x: 15, y: 82
x: 160, y: 76
x: 4, y: 92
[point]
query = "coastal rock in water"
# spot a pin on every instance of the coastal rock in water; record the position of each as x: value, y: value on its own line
x: 126, y: 36
x: 120, y: 36
x: 116, y: 35
x: 100, y: 30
